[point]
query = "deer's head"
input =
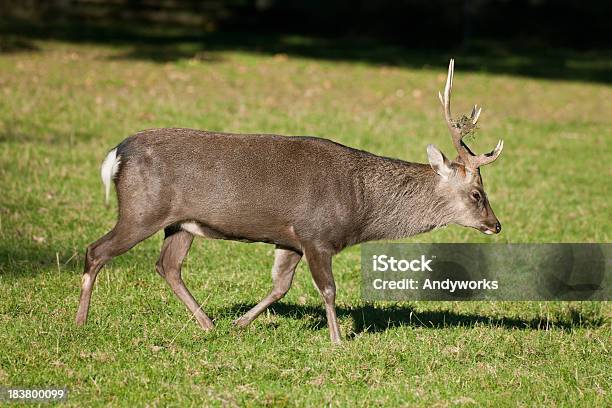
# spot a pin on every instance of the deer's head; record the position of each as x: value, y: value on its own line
x: 460, y: 179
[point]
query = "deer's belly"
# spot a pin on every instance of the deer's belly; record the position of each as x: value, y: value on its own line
x: 282, y: 236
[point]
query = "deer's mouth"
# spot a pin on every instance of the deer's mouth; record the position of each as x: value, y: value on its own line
x: 490, y: 230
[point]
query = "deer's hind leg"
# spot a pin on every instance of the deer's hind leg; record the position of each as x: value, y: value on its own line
x: 175, y: 248
x: 120, y: 239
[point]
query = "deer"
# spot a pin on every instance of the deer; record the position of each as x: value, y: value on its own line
x: 308, y: 196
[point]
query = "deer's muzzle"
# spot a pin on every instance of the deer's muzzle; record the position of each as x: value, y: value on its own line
x: 495, y: 228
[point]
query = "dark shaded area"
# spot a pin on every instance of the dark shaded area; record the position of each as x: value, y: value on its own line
x: 559, y: 39
x: 29, y: 259
x: 537, y: 38
x: 14, y: 44
x: 371, y: 318
x: 166, y: 45
x: 412, y: 23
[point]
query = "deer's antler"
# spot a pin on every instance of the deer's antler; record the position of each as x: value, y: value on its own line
x: 459, y: 128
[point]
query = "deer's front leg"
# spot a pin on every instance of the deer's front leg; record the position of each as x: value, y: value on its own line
x: 285, y: 262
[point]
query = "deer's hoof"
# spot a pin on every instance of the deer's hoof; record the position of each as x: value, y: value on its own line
x: 206, y: 324
x: 241, y: 322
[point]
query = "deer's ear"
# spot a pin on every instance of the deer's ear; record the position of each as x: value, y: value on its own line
x: 438, y: 162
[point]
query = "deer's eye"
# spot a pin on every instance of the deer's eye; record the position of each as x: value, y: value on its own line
x: 476, y: 196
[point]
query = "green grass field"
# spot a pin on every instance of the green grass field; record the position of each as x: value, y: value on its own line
x: 63, y: 105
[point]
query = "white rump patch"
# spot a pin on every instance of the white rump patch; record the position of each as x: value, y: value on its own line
x: 109, y: 169
x: 194, y: 228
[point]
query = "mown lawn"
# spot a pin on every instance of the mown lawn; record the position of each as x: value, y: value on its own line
x: 63, y: 105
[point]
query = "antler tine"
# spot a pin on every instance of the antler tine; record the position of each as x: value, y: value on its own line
x: 475, y: 114
x: 449, y: 83
x: 483, y: 159
x: 445, y: 100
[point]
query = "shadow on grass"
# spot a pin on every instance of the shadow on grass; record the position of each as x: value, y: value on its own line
x: 24, y: 260
x: 10, y: 44
x: 373, y: 319
x: 159, y: 45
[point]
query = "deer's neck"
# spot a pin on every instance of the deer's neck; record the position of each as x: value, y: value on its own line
x: 401, y: 200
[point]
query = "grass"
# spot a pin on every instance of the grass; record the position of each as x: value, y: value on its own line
x: 63, y: 105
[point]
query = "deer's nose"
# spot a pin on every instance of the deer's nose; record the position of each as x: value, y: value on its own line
x: 497, y: 227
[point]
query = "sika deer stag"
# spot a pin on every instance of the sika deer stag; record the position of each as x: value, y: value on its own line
x: 308, y: 196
